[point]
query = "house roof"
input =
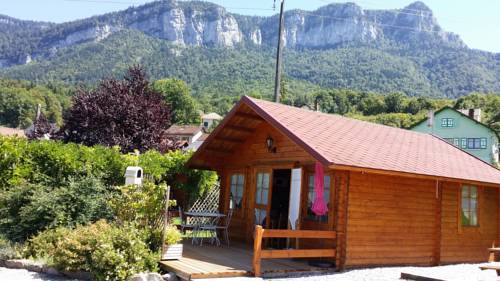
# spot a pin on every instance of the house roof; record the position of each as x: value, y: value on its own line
x: 461, y: 113
x: 183, y: 130
x: 212, y: 115
x: 6, y: 131
x: 342, y: 141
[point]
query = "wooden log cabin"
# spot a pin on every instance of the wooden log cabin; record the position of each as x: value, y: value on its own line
x: 395, y: 197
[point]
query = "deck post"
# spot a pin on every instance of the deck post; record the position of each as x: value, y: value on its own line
x: 257, y: 247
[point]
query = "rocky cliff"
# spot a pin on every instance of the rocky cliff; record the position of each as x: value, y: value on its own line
x: 206, y: 24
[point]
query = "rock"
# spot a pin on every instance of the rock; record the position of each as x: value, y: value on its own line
x: 82, y: 275
x: 51, y: 271
x: 33, y: 266
x: 14, y: 263
x: 138, y: 277
x: 170, y: 277
x: 154, y: 277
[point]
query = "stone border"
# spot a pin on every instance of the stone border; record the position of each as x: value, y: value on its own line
x: 42, y: 268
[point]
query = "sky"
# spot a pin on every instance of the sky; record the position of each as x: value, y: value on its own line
x: 477, y: 22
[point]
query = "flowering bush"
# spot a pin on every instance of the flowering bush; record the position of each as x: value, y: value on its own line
x: 107, y: 251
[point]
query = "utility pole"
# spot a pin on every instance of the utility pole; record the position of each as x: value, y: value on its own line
x: 277, y: 79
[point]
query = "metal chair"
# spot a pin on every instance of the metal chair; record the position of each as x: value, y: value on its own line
x: 211, y: 228
x: 225, y: 226
x: 184, y: 225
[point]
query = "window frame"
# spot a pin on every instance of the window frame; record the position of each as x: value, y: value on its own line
x: 307, y: 216
x: 483, y: 143
x: 463, y: 143
x: 475, y: 143
x: 243, y: 187
x: 447, y: 122
x: 476, y: 209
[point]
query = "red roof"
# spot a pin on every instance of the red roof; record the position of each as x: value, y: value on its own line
x: 337, y: 140
x: 184, y: 130
x: 6, y: 131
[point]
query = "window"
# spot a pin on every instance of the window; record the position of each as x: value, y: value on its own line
x: 450, y: 140
x: 262, y: 191
x: 464, y: 142
x: 483, y: 143
x: 474, y: 143
x: 469, y: 205
x: 447, y: 122
x: 237, y: 187
x: 311, y: 196
x: 456, y: 142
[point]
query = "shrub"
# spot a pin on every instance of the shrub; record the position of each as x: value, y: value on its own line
x: 9, y: 250
x: 54, y: 163
x: 107, y: 251
x: 172, y: 235
x: 31, y: 208
x: 143, y: 206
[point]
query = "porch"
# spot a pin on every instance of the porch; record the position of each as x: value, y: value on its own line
x: 243, y: 260
x: 234, y: 261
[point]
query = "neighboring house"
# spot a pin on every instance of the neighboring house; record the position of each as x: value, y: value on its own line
x: 6, y: 131
x: 208, y: 120
x: 187, y: 133
x: 197, y: 143
x: 394, y: 196
x: 463, y: 128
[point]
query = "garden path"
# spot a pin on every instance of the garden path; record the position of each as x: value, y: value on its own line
x: 9, y: 274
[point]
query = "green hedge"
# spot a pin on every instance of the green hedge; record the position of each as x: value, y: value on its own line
x: 47, y: 184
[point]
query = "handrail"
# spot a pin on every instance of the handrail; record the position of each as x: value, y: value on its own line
x: 259, y: 254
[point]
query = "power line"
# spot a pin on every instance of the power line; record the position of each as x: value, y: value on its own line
x: 270, y: 9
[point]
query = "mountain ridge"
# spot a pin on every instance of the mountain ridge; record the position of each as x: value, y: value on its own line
x: 339, y: 45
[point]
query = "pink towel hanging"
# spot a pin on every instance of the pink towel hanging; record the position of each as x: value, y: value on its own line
x: 319, y: 205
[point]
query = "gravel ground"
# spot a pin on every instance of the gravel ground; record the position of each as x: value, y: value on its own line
x: 8, y: 274
x: 459, y: 272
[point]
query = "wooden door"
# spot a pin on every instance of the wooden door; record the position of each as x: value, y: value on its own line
x: 262, y: 205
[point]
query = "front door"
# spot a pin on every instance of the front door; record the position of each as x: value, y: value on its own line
x: 262, y: 194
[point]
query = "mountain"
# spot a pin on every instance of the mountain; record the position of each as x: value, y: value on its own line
x: 338, y: 45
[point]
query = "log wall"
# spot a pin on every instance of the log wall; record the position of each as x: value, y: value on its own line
x: 391, y: 220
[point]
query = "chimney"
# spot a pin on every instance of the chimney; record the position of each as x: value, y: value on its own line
x: 475, y: 113
x: 430, y: 118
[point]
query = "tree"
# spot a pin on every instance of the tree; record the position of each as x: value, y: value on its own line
x: 127, y: 113
x: 395, y: 102
x: 176, y: 94
x: 372, y: 104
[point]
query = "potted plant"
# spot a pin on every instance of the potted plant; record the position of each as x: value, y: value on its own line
x: 172, y: 248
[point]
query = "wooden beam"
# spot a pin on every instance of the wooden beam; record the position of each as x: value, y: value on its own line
x: 288, y: 233
x: 239, y: 129
x: 249, y: 116
x: 228, y: 139
x: 408, y: 174
x: 308, y: 253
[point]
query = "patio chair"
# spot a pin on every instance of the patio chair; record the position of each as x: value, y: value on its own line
x: 184, y: 224
x: 210, y: 228
x: 225, y: 226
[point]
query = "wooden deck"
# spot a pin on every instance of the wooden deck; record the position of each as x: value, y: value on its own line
x: 216, y: 262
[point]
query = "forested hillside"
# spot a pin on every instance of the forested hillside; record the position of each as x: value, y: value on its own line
x: 420, y: 60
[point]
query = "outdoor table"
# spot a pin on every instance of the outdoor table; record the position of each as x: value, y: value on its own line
x: 213, y: 219
x: 204, y: 214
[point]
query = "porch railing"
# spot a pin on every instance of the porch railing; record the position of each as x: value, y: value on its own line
x: 259, y: 253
